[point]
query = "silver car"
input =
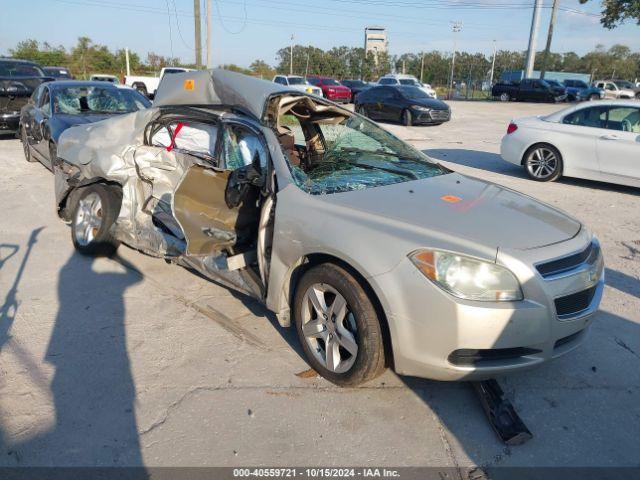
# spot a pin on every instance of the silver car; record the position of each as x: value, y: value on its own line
x: 378, y: 255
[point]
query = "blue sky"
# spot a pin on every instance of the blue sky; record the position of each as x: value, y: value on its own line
x: 248, y: 29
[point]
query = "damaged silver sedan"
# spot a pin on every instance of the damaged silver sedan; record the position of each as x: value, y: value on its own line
x: 378, y: 255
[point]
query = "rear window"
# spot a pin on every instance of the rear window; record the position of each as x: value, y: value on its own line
x: 408, y: 81
x: 18, y: 69
x: 297, y: 81
x: 387, y: 81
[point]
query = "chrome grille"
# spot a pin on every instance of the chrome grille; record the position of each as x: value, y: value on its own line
x: 439, y: 114
x: 588, y: 255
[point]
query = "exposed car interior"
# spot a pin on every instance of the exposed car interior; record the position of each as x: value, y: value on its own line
x: 332, y: 150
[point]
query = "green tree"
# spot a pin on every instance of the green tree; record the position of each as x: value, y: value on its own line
x: 617, y: 11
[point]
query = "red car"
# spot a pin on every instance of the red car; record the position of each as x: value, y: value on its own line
x: 331, y: 89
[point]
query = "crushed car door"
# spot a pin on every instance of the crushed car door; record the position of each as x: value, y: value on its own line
x: 204, y: 203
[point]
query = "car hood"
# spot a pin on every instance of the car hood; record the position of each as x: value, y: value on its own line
x: 465, y: 207
x: 430, y: 103
x: 69, y: 120
x: 61, y: 121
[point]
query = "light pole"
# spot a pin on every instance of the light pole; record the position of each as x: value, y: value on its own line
x: 455, y: 27
x: 533, y: 39
x: 493, y: 64
x: 291, y: 57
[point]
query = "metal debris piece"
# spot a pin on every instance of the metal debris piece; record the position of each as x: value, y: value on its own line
x: 502, y: 416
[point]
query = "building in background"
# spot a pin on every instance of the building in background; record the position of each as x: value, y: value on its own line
x: 375, y: 40
x: 517, y: 75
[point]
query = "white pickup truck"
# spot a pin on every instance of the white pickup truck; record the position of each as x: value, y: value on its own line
x: 148, y: 85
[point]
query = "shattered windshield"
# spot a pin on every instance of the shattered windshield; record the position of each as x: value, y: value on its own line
x: 354, y: 154
x: 77, y: 100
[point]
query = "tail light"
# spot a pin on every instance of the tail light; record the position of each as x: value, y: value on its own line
x: 512, y: 128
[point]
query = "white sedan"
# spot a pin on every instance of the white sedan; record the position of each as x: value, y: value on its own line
x: 598, y: 141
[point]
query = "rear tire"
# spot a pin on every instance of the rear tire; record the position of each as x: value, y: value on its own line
x: 53, y: 155
x: 25, y: 145
x: 543, y: 163
x: 95, y: 210
x: 504, y: 97
x: 333, y: 313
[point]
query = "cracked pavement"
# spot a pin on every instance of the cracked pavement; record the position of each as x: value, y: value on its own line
x: 131, y: 361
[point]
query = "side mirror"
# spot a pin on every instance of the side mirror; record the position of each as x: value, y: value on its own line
x: 241, y: 180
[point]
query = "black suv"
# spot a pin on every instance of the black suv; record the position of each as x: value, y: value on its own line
x: 18, y: 80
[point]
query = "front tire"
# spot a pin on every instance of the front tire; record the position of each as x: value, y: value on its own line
x: 96, y: 208
x: 504, y: 97
x: 25, y: 145
x: 338, y: 326
x: 362, y: 111
x: 543, y: 163
x: 407, y: 118
x: 594, y: 96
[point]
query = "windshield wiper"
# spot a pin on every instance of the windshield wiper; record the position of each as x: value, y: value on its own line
x: 368, y: 166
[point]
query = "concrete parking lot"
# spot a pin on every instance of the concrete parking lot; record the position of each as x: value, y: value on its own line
x: 131, y: 361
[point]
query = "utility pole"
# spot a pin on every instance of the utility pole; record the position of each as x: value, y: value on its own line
x: 552, y: 22
x: 291, y: 57
x: 493, y: 64
x: 421, y: 67
x: 209, y: 33
x: 533, y: 37
x: 126, y: 57
x: 198, y: 33
x: 306, y: 69
x: 456, y: 27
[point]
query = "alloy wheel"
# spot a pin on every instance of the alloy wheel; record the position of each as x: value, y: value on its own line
x: 504, y: 97
x: 542, y: 163
x: 329, y: 328
x: 88, y: 219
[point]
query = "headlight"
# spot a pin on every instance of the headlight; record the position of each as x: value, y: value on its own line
x: 309, y: 90
x: 466, y: 277
x: 421, y: 108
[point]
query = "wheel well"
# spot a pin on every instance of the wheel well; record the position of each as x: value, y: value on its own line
x: 312, y: 260
x: 540, y: 144
x: 67, y: 201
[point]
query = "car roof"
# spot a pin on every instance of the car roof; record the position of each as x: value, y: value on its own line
x: 78, y: 83
x: 218, y: 87
x: 17, y: 60
x: 559, y: 115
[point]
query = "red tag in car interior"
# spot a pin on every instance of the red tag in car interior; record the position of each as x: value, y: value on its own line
x: 173, y: 140
x: 450, y: 199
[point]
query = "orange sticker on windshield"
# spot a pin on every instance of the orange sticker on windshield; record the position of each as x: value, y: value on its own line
x: 189, y: 84
x: 450, y: 199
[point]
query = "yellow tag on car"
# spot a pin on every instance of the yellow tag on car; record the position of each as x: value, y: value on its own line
x: 189, y: 84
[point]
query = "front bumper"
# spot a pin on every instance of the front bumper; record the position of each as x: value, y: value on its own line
x: 338, y: 97
x: 437, y: 336
x: 430, y: 117
x: 10, y: 122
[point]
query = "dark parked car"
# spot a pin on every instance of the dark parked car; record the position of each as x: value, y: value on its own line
x: 407, y: 104
x: 331, y: 88
x: 356, y: 87
x: 529, y: 90
x: 579, y: 90
x: 59, y: 73
x: 56, y: 106
x: 18, y: 80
